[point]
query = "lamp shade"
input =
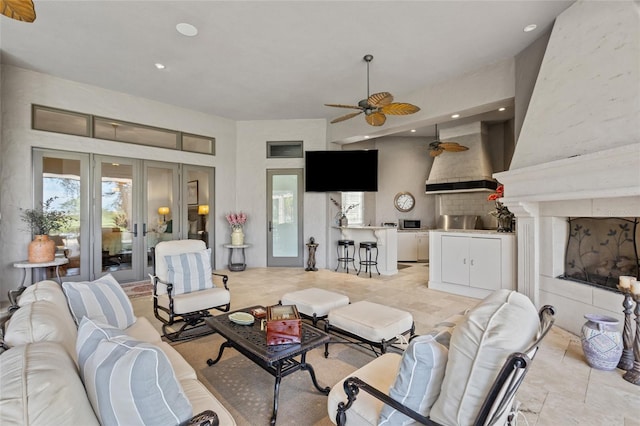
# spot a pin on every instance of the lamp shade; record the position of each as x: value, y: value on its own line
x: 203, y: 209
x: 163, y: 210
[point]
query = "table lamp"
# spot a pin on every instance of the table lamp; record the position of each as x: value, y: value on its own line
x: 203, y: 211
x: 164, y: 211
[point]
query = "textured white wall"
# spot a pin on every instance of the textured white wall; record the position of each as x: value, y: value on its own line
x: 404, y: 164
x: 21, y: 88
x: 251, y: 182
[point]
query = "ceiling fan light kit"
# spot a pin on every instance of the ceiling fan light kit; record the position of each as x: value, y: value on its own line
x: 375, y: 107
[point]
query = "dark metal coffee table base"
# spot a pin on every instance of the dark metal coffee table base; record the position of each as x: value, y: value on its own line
x: 279, y: 360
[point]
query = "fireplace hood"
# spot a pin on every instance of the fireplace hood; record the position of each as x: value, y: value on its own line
x: 466, y: 171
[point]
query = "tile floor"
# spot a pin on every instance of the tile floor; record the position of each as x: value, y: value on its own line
x: 560, y: 389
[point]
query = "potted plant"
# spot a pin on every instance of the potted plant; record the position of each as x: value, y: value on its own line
x: 41, y: 221
x: 502, y: 213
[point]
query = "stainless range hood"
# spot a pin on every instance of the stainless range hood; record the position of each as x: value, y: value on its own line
x: 466, y: 171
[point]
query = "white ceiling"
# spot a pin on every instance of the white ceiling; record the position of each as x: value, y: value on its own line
x: 258, y: 60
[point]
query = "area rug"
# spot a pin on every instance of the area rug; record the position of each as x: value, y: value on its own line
x: 137, y: 289
x: 247, y: 390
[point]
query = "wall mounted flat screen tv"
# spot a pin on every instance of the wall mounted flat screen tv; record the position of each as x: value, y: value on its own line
x: 346, y: 171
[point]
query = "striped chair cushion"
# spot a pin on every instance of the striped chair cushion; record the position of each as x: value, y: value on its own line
x: 419, y: 379
x: 102, y: 300
x: 128, y: 381
x: 189, y: 272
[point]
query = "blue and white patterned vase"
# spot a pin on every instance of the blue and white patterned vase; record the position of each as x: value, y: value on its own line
x: 601, y: 341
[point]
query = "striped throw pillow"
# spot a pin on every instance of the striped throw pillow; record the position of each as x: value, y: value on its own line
x: 102, y: 300
x: 189, y: 271
x: 128, y: 381
x: 419, y: 379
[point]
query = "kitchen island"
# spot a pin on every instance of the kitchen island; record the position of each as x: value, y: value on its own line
x: 387, y: 239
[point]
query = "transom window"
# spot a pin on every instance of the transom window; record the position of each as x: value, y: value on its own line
x: 75, y: 123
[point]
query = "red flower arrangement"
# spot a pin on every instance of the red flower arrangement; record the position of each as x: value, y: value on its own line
x: 498, y: 194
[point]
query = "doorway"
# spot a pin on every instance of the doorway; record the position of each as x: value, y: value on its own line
x: 284, y: 217
x: 137, y: 207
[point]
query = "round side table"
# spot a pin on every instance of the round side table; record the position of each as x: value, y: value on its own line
x: 39, y: 269
x: 237, y: 266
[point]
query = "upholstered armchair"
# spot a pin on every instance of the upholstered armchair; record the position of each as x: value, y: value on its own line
x: 465, y: 372
x: 184, y: 289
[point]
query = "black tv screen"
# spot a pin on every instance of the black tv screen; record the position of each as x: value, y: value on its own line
x: 346, y: 171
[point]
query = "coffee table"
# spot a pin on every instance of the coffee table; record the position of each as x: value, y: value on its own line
x: 277, y: 360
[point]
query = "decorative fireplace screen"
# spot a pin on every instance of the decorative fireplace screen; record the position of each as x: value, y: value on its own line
x: 599, y: 250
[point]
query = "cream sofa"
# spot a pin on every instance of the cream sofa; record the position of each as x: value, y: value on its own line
x: 41, y: 383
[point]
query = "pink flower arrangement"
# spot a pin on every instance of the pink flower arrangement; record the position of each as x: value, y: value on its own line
x: 236, y: 220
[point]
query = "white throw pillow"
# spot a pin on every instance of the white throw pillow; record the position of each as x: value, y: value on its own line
x: 189, y: 272
x: 419, y: 380
x: 128, y: 381
x: 102, y: 300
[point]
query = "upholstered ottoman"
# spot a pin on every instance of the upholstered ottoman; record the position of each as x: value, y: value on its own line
x: 368, y: 323
x: 315, y: 303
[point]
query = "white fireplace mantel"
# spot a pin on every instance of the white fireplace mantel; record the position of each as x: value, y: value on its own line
x: 603, y: 175
x: 601, y: 184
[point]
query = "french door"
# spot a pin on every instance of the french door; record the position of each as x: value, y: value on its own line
x: 135, y: 205
x: 120, y: 209
x: 284, y: 211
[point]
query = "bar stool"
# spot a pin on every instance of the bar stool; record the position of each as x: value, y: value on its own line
x: 368, y: 262
x: 343, y: 254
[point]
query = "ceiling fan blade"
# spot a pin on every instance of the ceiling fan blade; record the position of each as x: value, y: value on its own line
x: 380, y: 99
x: 376, y: 119
x: 435, y: 152
x: 399, y: 108
x: 345, y: 117
x: 21, y: 10
x: 340, y: 105
x: 452, y: 147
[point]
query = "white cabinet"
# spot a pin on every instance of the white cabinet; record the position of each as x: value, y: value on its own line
x: 407, y: 249
x: 472, y: 263
x: 413, y: 246
x: 422, y: 238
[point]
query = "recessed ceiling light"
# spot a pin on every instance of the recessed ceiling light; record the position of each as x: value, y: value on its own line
x: 455, y: 116
x: 187, y: 29
x: 413, y: 130
x: 159, y: 66
x: 366, y: 137
x: 529, y: 28
x: 501, y: 109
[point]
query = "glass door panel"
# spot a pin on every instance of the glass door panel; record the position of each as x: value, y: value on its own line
x: 284, y: 247
x: 162, y: 217
x: 117, y: 238
x: 198, y: 205
x: 64, y: 181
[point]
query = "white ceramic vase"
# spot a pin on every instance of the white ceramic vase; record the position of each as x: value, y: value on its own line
x: 237, y: 237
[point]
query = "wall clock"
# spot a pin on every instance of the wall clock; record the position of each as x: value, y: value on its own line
x: 404, y: 201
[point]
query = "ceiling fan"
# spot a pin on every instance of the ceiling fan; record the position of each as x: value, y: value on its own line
x: 376, y: 106
x: 437, y: 147
x: 21, y: 10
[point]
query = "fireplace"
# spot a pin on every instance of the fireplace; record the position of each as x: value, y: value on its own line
x: 577, y: 154
x: 600, y: 250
